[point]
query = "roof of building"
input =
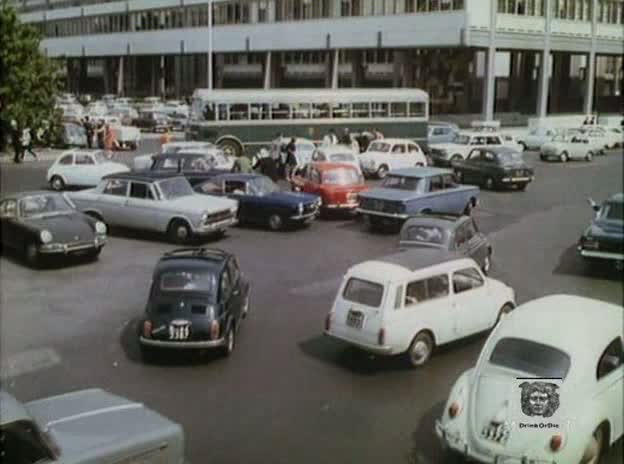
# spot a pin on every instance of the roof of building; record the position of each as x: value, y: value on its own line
x: 420, y: 172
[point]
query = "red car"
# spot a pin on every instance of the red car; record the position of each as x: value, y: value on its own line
x: 338, y: 185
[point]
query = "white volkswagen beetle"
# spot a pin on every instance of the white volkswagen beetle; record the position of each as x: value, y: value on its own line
x: 81, y: 168
x: 387, y: 155
x: 412, y: 301
x: 548, y: 387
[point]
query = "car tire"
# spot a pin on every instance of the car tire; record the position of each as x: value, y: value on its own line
x: 487, y: 263
x: 523, y: 145
x: 489, y: 183
x: 31, y: 254
x: 506, y: 309
x: 382, y: 171
x: 468, y: 208
x: 595, y: 449
x: 589, y: 156
x: 420, y: 349
x: 245, y: 311
x: 179, y: 232
x: 563, y: 157
x: 276, y: 222
x: 230, y: 341
x: 456, y: 157
x: 57, y: 183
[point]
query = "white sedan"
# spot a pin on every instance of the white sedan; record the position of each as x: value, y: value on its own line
x: 81, y: 168
x: 387, y: 155
x: 565, y: 148
x: 548, y: 386
x: 336, y: 154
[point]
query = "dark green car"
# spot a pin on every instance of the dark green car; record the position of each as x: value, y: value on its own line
x: 603, y: 240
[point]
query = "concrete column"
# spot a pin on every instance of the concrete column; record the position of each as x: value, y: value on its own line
x: 490, y: 69
x: 177, y: 65
x: 83, y: 75
x: 335, y: 69
x: 275, y: 70
x: 154, y: 72
x: 328, y: 68
x: 542, y: 85
x: 357, y: 68
x: 399, y: 68
x: 267, y: 71
x: 120, y: 77
x: 408, y: 70
x: 590, y: 71
x: 161, y: 75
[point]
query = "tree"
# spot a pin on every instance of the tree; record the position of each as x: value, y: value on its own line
x: 29, y: 81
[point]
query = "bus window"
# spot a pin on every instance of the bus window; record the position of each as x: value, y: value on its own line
x: 341, y: 110
x: 239, y: 111
x: 416, y: 109
x: 209, y: 112
x: 281, y: 111
x: 379, y: 110
x: 398, y: 110
x: 223, y: 112
x: 259, y: 111
x: 301, y: 111
x: 320, y: 111
x: 361, y: 110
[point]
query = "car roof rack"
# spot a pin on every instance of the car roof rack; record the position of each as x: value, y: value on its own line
x: 196, y: 252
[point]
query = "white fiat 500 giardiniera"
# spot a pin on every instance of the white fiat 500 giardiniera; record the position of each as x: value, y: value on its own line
x: 548, y: 387
x: 413, y: 301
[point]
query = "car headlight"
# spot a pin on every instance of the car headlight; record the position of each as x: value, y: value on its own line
x: 100, y: 228
x: 45, y: 236
x: 204, y: 218
x: 300, y: 208
x: 233, y: 209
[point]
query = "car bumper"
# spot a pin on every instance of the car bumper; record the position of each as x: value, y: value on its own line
x: 303, y: 217
x: 454, y: 441
x: 601, y: 254
x: 206, y: 229
x: 341, y: 206
x: 182, y: 345
x: 64, y: 249
x: 377, y: 349
x: 397, y: 216
x: 517, y: 180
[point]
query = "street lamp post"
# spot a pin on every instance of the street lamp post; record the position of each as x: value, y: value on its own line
x: 210, y: 70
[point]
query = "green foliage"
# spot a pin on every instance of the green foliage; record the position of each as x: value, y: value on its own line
x: 29, y: 81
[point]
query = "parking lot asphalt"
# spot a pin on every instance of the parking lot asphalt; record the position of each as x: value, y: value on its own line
x: 288, y: 395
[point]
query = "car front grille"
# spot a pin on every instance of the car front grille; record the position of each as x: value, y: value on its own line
x: 383, y: 206
x: 309, y: 208
x: 219, y: 216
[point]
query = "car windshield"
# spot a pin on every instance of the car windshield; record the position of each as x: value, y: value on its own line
x: 363, y: 292
x: 99, y: 157
x: 341, y: 158
x: 262, y: 186
x: 44, y: 205
x: 424, y: 234
x: 531, y: 357
x: 341, y: 177
x: 614, y: 211
x: 560, y: 138
x: 189, y: 281
x: 379, y: 146
x: 510, y: 157
x: 402, y: 183
x: 461, y: 139
x: 175, y: 188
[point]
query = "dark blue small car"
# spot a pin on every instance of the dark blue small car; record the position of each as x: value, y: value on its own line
x: 604, y: 238
x: 261, y: 201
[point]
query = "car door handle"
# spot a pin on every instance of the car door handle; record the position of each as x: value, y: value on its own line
x: 236, y: 292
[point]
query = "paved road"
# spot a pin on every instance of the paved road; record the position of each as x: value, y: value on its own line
x: 288, y: 395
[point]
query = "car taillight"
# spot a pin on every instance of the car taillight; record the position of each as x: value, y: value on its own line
x: 556, y: 442
x: 381, y: 336
x: 147, y: 329
x: 328, y: 319
x: 454, y: 409
x: 214, y: 330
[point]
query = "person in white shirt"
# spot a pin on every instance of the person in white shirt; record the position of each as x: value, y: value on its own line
x: 330, y: 138
x: 27, y: 143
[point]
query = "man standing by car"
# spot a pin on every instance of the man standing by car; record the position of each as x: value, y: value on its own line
x: 291, y: 158
x: 16, y: 140
x: 330, y: 138
x: 89, y: 131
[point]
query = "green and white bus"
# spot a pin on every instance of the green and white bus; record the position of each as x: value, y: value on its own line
x: 242, y: 121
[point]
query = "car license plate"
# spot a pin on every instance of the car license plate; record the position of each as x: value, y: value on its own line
x: 355, y: 319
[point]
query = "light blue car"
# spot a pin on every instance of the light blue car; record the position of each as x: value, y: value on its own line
x: 537, y: 137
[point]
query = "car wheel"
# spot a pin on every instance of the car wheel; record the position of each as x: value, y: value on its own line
x: 595, y: 448
x: 563, y: 157
x: 456, y: 157
x: 487, y: 263
x: 57, y: 183
x: 230, y: 341
x: 245, y: 310
x: 275, y: 222
x: 179, y: 232
x: 420, y: 349
x: 489, y: 183
x: 382, y: 171
x: 523, y: 145
x: 589, y: 156
x: 506, y: 309
x: 31, y: 253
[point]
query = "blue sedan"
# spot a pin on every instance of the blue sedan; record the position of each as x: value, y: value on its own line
x: 261, y: 201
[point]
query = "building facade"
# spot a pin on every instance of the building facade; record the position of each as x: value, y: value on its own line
x: 473, y: 56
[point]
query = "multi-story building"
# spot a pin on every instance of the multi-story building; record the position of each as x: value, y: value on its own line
x: 472, y: 56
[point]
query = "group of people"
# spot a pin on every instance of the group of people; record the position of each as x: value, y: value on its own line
x: 100, y: 134
x: 359, y: 143
x: 23, y: 141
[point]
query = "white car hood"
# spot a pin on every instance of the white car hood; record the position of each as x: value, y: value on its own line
x: 198, y: 204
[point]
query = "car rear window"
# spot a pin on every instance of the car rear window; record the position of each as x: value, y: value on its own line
x: 531, y: 357
x: 425, y: 234
x: 185, y: 281
x: 363, y: 292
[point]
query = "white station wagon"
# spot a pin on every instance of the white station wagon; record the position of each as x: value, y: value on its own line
x: 81, y: 169
x: 387, y: 155
x: 548, y: 387
x: 413, y: 301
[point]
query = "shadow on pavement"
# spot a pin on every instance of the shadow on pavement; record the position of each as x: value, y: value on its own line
x: 129, y: 341
x: 571, y: 263
x: 426, y: 448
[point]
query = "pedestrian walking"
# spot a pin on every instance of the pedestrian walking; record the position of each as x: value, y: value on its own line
x: 165, y: 138
x: 100, y: 133
x: 110, y: 141
x: 89, y: 130
x: 16, y: 141
x: 291, y: 158
x: 27, y: 143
